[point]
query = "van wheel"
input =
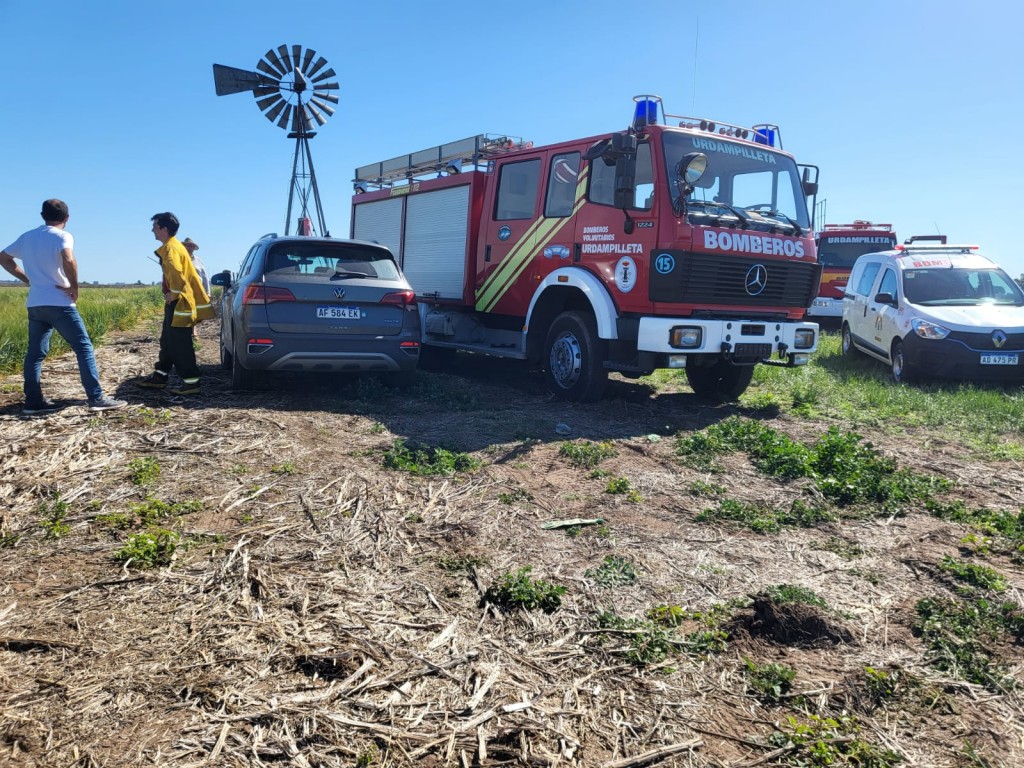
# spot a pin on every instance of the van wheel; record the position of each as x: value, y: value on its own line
x: 241, y: 378
x: 902, y: 373
x: 721, y: 381
x: 574, y: 367
x: 847, y: 340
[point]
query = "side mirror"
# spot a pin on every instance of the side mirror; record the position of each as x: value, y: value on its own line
x: 223, y: 279
x: 885, y: 298
x: 810, y: 188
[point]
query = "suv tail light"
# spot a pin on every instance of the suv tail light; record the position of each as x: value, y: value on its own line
x: 261, y: 294
x: 400, y: 298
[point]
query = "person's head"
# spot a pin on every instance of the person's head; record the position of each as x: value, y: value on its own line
x: 54, y: 211
x: 190, y: 246
x: 165, y: 226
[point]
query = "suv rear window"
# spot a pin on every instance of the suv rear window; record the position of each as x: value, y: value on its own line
x: 327, y: 259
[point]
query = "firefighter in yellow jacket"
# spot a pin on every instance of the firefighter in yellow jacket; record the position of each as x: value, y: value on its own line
x: 185, y: 304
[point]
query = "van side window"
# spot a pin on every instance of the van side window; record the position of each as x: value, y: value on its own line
x: 888, y: 284
x: 517, y: 190
x: 867, y: 279
x: 602, y: 180
x: 562, y: 178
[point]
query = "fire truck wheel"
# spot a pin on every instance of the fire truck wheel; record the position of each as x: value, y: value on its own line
x: 721, y: 381
x: 847, y: 340
x: 574, y: 366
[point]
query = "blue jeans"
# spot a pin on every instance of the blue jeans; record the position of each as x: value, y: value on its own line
x: 42, y: 322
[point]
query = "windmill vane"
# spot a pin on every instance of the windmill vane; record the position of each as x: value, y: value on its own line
x: 294, y: 89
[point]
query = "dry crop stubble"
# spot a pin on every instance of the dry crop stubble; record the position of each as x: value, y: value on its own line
x: 307, y: 617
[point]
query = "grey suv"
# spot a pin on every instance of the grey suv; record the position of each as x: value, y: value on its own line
x: 318, y: 304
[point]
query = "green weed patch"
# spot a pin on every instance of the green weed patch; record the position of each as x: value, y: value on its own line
x: 428, y: 460
x: 586, y: 454
x: 518, y: 590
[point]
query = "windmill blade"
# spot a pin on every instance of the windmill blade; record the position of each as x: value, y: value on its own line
x: 228, y: 80
x: 283, y: 122
x: 272, y: 73
x: 308, y: 57
x: 276, y: 110
x: 265, y: 90
x: 324, y: 75
x: 286, y: 59
x: 320, y: 64
x: 325, y: 96
x: 266, y: 103
x: 325, y: 107
x: 297, y: 56
x: 270, y: 57
x: 316, y: 114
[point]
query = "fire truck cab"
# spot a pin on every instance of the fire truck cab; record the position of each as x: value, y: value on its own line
x: 685, y: 245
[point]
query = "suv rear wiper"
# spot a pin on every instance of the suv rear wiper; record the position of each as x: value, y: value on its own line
x: 347, y: 275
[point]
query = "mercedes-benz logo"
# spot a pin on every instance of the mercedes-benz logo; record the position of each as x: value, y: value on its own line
x: 339, y: 293
x: 757, y: 277
x: 998, y: 339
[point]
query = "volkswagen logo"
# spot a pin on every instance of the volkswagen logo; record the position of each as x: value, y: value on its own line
x: 757, y: 277
x: 339, y: 293
x: 998, y: 339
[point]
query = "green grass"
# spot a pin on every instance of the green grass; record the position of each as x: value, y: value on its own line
x: 858, y: 391
x: 103, y: 309
x: 428, y: 460
x: 518, y: 590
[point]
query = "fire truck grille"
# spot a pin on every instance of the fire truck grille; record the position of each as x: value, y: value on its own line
x: 713, y: 279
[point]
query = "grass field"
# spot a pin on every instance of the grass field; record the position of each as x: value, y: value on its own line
x: 103, y: 309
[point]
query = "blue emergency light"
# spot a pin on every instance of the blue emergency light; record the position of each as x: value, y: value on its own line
x: 646, y: 111
x: 764, y: 135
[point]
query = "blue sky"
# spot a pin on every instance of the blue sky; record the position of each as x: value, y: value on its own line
x: 912, y: 110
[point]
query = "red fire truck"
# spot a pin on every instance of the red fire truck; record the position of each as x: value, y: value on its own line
x: 685, y: 245
x: 839, y: 245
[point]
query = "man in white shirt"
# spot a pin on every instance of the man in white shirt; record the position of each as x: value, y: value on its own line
x: 49, y: 269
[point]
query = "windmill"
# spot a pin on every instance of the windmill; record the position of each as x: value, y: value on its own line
x: 296, y: 93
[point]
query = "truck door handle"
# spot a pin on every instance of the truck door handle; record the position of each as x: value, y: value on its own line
x: 487, y: 253
x: 577, y: 252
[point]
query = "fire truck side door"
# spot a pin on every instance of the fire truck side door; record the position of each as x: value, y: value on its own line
x: 509, y: 224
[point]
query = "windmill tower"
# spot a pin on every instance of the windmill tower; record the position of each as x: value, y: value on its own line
x: 296, y: 93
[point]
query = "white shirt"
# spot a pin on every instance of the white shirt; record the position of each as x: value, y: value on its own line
x: 38, y: 250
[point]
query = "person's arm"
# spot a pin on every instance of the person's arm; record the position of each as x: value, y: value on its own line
x: 7, y: 262
x: 67, y: 257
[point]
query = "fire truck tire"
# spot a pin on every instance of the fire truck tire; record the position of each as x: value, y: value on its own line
x: 574, y: 363
x: 721, y: 381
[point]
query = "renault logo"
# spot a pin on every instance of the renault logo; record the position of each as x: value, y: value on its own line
x: 339, y: 293
x: 998, y: 339
x: 755, y: 280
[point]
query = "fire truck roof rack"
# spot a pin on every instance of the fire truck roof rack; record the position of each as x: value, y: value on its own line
x: 857, y: 224
x: 444, y: 158
x: 767, y: 134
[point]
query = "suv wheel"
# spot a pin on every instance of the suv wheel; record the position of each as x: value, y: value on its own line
x: 902, y: 373
x: 241, y: 378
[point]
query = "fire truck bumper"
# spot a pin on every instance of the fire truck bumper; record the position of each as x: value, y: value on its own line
x: 742, y: 341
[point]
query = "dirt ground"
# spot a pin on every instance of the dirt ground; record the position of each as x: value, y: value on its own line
x: 322, y: 610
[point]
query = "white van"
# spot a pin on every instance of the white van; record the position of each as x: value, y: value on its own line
x: 937, y: 310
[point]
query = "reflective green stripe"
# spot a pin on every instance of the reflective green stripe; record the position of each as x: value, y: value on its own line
x: 541, y: 231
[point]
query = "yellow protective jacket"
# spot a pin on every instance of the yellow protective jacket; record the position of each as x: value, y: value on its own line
x: 183, y: 281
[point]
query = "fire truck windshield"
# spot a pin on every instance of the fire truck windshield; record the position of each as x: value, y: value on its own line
x: 745, y: 184
x: 840, y: 254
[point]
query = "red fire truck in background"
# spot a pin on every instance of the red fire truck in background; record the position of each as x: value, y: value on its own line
x: 685, y: 245
x: 839, y: 245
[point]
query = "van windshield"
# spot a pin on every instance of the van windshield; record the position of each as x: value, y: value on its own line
x: 960, y: 286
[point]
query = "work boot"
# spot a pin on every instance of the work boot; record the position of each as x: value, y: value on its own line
x: 155, y: 380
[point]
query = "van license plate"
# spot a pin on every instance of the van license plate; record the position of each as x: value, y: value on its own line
x: 338, y: 313
x: 999, y: 359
